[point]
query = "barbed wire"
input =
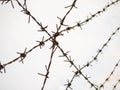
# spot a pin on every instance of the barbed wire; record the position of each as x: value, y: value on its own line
x: 55, y: 43
x: 63, y: 19
x: 109, y: 76
x: 48, y: 68
x: 41, y: 43
x: 101, y: 49
x: 79, y: 71
x: 89, y: 18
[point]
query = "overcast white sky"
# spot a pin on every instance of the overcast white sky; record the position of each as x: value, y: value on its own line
x: 16, y: 34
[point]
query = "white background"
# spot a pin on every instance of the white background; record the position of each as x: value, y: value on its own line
x: 16, y: 34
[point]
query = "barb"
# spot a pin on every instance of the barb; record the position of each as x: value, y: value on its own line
x: 68, y: 85
x: 22, y: 55
x: 41, y: 43
x: 70, y: 61
x: 7, y: 1
x: 116, y: 84
x: 2, y: 67
x: 25, y: 4
x: 76, y: 74
x: 108, y: 78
